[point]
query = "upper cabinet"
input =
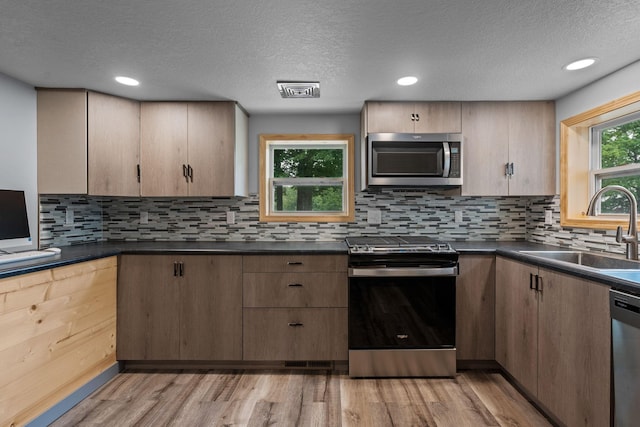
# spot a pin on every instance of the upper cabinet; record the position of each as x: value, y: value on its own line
x: 97, y: 144
x: 411, y: 117
x: 62, y: 141
x: 113, y: 145
x: 193, y: 149
x: 509, y: 148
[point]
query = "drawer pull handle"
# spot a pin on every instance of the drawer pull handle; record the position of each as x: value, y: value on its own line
x: 295, y: 285
x: 294, y: 263
x: 402, y: 336
x: 295, y: 324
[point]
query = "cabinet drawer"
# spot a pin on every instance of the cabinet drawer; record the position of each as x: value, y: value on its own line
x: 294, y: 263
x: 295, y: 334
x: 295, y: 289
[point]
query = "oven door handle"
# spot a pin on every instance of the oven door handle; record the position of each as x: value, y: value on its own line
x: 403, y: 271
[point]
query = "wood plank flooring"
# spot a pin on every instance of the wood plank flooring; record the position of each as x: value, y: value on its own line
x: 301, y: 398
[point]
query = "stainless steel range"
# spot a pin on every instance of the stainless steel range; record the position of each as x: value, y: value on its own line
x: 402, y: 307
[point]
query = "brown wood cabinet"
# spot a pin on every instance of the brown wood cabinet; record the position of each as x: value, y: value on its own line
x: 193, y: 149
x: 517, y: 321
x: 499, y: 134
x: 87, y: 143
x: 180, y: 307
x: 574, y: 349
x: 113, y: 145
x: 295, y: 307
x: 555, y: 341
x: 475, y: 308
x: 411, y: 117
x: 62, y: 141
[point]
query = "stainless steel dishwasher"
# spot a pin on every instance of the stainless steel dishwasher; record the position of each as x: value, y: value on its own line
x: 625, y: 330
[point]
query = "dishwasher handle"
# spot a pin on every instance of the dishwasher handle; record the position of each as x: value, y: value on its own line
x: 625, y: 307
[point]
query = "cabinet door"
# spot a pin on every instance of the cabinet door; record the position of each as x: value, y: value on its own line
x: 113, y: 145
x: 532, y: 148
x: 211, y: 307
x: 574, y: 348
x: 475, y: 308
x: 148, y: 311
x: 390, y: 117
x: 62, y: 141
x: 485, y: 128
x: 211, y: 133
x: 517, y: 322
x: 295, y: 334
x: 295, y: 289
x: 437, y: 117
x: 163, y: 149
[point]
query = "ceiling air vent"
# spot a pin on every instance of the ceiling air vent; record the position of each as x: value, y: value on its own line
x: 299, y: 89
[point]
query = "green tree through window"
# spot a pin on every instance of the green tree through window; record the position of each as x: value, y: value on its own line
x: 307, y: 163
x: 620, y: 146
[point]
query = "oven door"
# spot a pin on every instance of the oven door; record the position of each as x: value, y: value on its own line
x: 402, y: 324
x: 402, y: 312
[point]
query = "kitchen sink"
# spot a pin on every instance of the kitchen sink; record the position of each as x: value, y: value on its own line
x: 587, y: 259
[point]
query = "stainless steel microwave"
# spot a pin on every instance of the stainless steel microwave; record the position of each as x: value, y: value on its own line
x: 414, y: 159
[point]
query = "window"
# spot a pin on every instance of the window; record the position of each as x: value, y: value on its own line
x: 305, y: 178
x: 616, y: 161
x: 600, y: 147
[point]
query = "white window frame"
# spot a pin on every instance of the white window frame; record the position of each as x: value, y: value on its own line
x: 596, y: 172
x: 269, y: 143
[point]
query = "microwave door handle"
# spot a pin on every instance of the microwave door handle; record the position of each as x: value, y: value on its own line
x: 446, y: 167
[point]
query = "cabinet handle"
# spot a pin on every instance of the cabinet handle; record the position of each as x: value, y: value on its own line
x: 295, y: 324
x: 531, y: 281
x: 402, y: 336
x: 294, y: 263
x: 538, y: 283
x: 417, y: 117
x: 511, y: 170
x: 190, y: 173
x: 506, y: 169
x: 138, y: 171
x: 175, y: 269
x: 184, y: 172
x: 181, y: 268
x: 295, y: 285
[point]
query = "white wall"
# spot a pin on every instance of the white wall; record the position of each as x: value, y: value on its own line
x: 18, y: 155
x: 616, y: 85
x: 303, y: 123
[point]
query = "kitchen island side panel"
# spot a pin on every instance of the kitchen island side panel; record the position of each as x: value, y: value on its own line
x: 58, y: 330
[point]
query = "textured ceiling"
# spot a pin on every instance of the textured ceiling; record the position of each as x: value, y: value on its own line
x: 235, y: 49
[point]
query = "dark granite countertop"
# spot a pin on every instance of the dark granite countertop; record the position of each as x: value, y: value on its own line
x: 79, y: 253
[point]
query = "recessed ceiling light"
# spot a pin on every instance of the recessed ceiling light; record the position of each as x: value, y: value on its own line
x: 580, y: 64
x: 407, y: 81
x: 128, y: 81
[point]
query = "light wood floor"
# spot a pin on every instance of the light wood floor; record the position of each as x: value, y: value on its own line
x: 284, y: 398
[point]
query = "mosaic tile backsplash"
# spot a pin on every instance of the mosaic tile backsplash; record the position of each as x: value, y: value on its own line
x: 403, y: 212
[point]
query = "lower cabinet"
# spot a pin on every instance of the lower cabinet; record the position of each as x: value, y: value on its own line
x: 295, y: 307
x: 295, y: 334
x: 475, y: 307
x: 186, y: 307
x: 553, y: 336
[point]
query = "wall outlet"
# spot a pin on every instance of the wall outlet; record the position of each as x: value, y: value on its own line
x: 374, y: 217
x: 548, y: 217
x: 68, y: 219
x: 231, y: 217
x: 457, y: 215
x: 144, y: 217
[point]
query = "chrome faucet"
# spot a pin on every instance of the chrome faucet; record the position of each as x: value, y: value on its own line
x: 631, y: 238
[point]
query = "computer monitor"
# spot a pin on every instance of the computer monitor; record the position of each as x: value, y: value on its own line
x: 14, y: 223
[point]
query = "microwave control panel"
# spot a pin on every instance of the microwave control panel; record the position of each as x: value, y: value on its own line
x: 455, y: 168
